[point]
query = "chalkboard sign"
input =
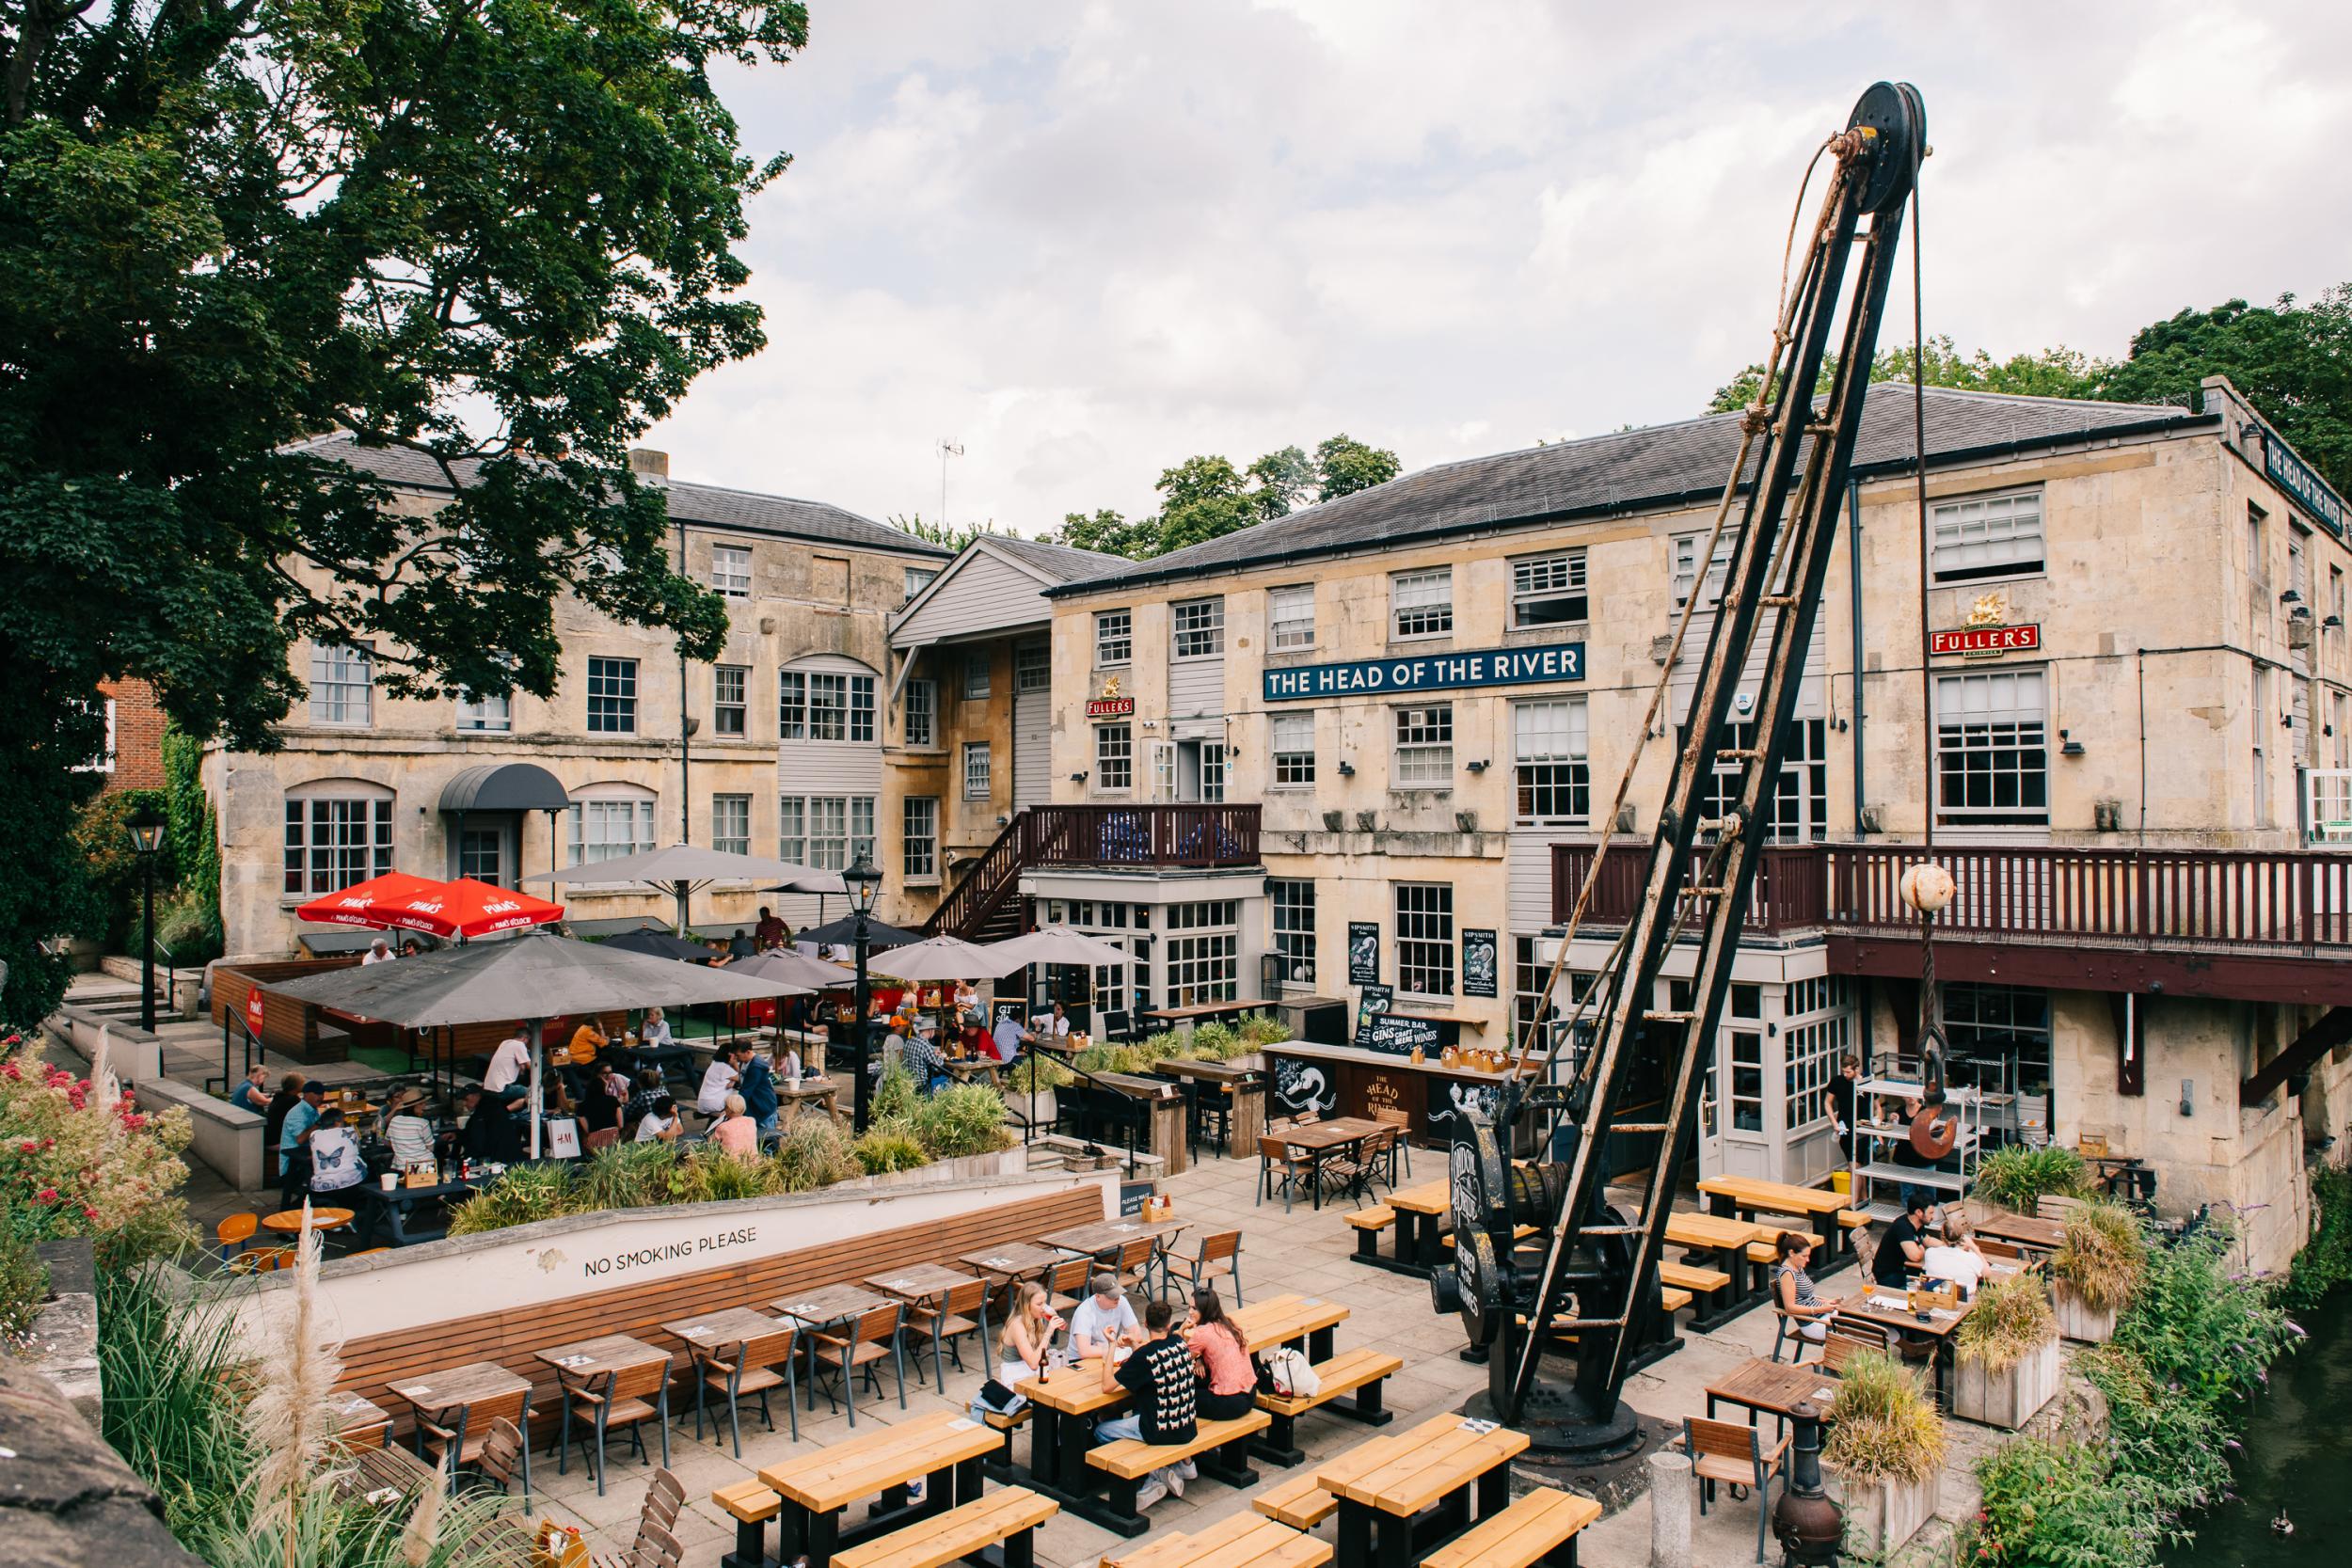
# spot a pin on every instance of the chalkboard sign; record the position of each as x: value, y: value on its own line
x: 1300, y: 1086
x: 1133, y: 1195
x: 1397, y: 1033
x: 1363, y: 952
x: 1478, y: 963
x: 1371, y: 1002
x: 1011, y: 1012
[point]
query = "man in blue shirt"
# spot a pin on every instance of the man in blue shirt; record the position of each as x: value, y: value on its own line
x: 757, y: 1085
x: 293, y: 1155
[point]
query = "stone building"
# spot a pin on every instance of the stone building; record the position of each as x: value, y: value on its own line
x: 1380, y: 737
x: 781, y: 751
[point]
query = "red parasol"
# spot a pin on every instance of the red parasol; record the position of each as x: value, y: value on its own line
x: 363, y: 903
x: 466, y: 908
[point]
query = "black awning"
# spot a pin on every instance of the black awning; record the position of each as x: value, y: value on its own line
x: 504, y: 786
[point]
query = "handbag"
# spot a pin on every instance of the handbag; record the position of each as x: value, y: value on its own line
x: 1295, y: 1376
x: 1265, y: 1375
x: 997, y: 1397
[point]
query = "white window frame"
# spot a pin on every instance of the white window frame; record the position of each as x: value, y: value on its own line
x: 1426, y: 940
x: 2009, y: 708
x: 919, y: 718
x: 1213, y: 772
x: 332, y: 841
x: 1163, y: 769
x: 731, y: 571
x: 1552, y: 762
x: 1421, y: 603
x: 1994, y: 538
x: 598, y: 819
x: 1196, y: 629
x: 1032, y: 668
x: 917, y: 580
x: 618, y: 677
x: 1114, y: 759
x: 1424, y: 754
x: 1290, y: 617
x: 1114, y: 639
x: 918, y: 839
x: 343, y: 684
x: 1545, y: 580
x: 1202, y: 957
x: 104, y: 761
x: 485, y: 715
x: 975, y: 682
x: 1291, y: 916
x: 731, y: 824
x: 977, y: 776
x: 730, y: 695
x: 1291, y: 748
x: 792, y: 829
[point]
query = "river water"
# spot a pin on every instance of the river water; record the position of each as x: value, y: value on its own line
x: 2299, y: 1456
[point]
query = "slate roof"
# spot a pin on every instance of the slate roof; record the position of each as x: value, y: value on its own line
x: 714, y: 506
x: 1063, y: 562
x: 1636, y: 469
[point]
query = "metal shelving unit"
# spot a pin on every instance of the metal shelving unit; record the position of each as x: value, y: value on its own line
x: 1879, y: 1179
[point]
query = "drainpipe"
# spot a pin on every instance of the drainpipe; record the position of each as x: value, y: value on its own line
x: 1853, y: 594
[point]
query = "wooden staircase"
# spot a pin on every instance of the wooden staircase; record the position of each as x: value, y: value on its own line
x: 985, y: 905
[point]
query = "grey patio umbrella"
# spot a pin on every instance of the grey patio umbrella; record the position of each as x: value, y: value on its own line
x: 681, y: 868
x: 796, y: 972
x: 658, y: 945
x: 533, y: 977
x: 949, y: 959
x: 1058, y: 944
x: 843, y: 933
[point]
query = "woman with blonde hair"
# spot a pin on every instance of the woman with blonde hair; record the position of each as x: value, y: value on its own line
x: 1022, y: 1348
x: 737, y: 1132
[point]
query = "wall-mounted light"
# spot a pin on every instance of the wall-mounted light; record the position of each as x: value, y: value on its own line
x: 2249, y: 432
x: 2188, y: 1097
x: 1347, y: 769
x: 2333, y: 623
x: 1478, y: 767
x: 2290, y: 596
x: 2069, y: 747
x: 1078, y: 776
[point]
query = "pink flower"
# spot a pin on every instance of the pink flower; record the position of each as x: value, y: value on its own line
x: 47, y: 1194
x: 89, y: 1212
x: 27, y: 1147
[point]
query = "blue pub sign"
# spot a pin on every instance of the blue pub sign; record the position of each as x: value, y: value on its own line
x: 1562, y: 661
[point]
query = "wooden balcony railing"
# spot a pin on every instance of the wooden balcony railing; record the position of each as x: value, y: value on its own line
x: 1158, y: 835
x: 2284, y: 902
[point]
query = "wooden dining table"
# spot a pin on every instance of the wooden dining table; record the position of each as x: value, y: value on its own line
x: 1764, y: 1387
x: 1012, y: 1260
x: 1105, y: 1239
x: 2024, y: 1231
x: 322, y: 1219
x: 1402, y: 1497
x: 435, y: 1394
x: 1891, y: 1310
x: 584, y: 1363
x: 820, y: 1308
x: 943, y: 1449
x: 1323, y: 1140
x: 929, y: 1285
x: 359, y: 1423
x: 1720, y: 1242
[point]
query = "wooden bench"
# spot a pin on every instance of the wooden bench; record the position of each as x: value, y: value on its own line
x: 1766, y: 1253
x: 1217, y: 1446
x: 1541, y: 1527
x: 1852, y: 1219
x: 751, y: 1504
x: 1367, y: 1224
x: 1356, y: 1371
x: 1007, y: 1517
x: 999, y: 1420
x: 1299, y: 1502
x: 1242, y: 1539
x: 1685, y: 1276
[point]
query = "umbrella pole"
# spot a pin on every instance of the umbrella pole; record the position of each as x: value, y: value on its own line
x: 538, y: 1083
x: 679, y: 889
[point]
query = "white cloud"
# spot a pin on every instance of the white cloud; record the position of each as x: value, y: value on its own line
x: 1089, y: 240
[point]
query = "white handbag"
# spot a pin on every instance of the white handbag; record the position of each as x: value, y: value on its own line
x: 1295, y: 1376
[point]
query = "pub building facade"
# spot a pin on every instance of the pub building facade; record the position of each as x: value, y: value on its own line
x: 1369, y: 743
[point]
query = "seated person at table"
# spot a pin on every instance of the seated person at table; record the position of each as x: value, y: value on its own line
x: 755, y: 1082
x: 412, y: 948
x: 1792, y: 1288
x: 492, y: 1136
x: 1159, y: 1383
x: 293, y: 1134
x: 719, y: 1081
x: 1022, y: 1348
x: 253, y: 1094
x: 1229, y: 1383
x: 649, y: 1088
x: 410, y: 1134
x: 334, y: 1161
x: 1009, y: 1039
x: 655, y: 1031
x: 1104, y: 1319
x: 599, y: 1107
x: 510, y: 1063
x: 967, y: 1000
x: 1957, y: 1262
x: 1053, y: 1026
x: 922, y: 1062
x: 660, y: 1122
x: 735, y: 1132
x: 379, y: 952
x: 742, y: 946
x: 783, y: 1060
x: 1904, y: 1247
x: 587, y: 1042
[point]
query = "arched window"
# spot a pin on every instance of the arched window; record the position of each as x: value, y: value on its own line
x: 826, y: 697
x: 610, y: 820
x: 337, y: 832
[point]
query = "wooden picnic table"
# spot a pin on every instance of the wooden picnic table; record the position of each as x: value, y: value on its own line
x: 926, y: 1283
x: 1285, y: 1320
x: 1422, y: 1213
x: 1727, y: 1195
x: 823, y: 1308
x: 943, y: 1449
x: 1891, y: 1310
x: 387, y: 1216
x: 1383, y: 1486
x: 2024, y: 1230
x: 1725, y: 1237
x: 968, y: 1069
x: 1321, y: 1139
x: 1770, y: 1388
x: 1244, y: 1540
x: 1068, y: 1400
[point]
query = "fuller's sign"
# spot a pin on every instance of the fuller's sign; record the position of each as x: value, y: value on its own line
x: 1110, y: 708
x: 1426, y: 672
x: 1987, y: 642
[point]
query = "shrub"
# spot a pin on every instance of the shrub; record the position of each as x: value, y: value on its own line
x: 1214, y: 1042
x: 1041, y: 1071
x: 1166, y: 1046
x: 625, y: 1176
x: 714, y: 1175
x: 70, y: 1166
x: 2161, y: 1434
x: 1882, y: 1428
x: 894, y: 1097
x: 964, y: 1118
x: 2102, y: 1257
x: 2326, y: 1262
x: 172, y: 1380
x: 521, y: 1196
x: 23, y: 1286
x: 891, y: 1146
x: 2017, y: 1177
x: 2011, y: 1320
x: 1262, y: 1029
x: 2056, y: 1505
x: 1102, y: 1056
x: 815, y: 1152
x: 2197, y: 1323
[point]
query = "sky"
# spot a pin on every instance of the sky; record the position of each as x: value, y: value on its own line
x: 1085, y: 241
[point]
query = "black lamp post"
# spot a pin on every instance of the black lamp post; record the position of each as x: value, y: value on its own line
x: 865, y: 883
x: 146, y: 827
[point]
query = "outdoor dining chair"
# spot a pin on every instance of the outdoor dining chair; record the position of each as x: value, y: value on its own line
x: 453, y: 1448
x: 941, y: 1320
x: 655, y: 1548
x: 600, y: 1401
x: 1284, y: 1168
x: 655, y: 1544
x: 1219, y: 1258
x: 1066, y: 1284
x: 1403, y: 1122
x: 876, y: 1334
x: 506, y: 1458
x: 747, y: 1366
x: 1727, y: 1452
x: 1133, y: 1264
x: 234, y: 1233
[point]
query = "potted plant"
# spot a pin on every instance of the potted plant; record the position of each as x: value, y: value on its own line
x: 1885, y: 1453
x: 1030, y: 1096
x: 2016, y: 1178
x: 2005, y: 1353
x: 2096, y: 1270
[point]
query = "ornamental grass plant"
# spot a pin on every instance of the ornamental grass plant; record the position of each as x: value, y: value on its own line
x: 2102, y: 1257
x: 2010, y: 1319
x: 891, y: 1146
x: 1881, y: 1427
x: 815, y: 1152
x: 2017, y: 1177
x: 962, y: 1120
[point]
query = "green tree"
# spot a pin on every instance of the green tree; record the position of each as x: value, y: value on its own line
x: 2293, y: 361
x: 1284, y: 479
x: 2058, y: 372
x: 1344, y: 465
x: 942, y: 533
x: 1109, y: 532
x: 1206, y: 498
x: 499, y: 238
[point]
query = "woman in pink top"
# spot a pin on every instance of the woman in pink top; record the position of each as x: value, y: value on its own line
x: 1229, y: 1381
x: 735, y: 1133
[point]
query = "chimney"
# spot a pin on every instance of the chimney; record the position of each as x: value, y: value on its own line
x: 650, y: 467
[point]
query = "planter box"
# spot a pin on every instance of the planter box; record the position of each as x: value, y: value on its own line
x: 2077, y: 1320
x: 1881, y: 1515
x: 1017, y: 1107
x: 2006, y: 1398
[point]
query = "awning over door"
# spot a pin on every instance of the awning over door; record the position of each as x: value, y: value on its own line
x: 504, y: 786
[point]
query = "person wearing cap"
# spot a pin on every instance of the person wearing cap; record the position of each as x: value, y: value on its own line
x: 1104, y: 1320
x: 293, y: 1143
x: 379, y: 952
x: 409, y: 1133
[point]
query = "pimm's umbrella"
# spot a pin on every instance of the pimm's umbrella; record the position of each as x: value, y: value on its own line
x: 363, y: 903
x: 465, y: 908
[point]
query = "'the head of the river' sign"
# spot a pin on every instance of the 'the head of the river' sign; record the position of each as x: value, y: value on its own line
x: 1426, y: 672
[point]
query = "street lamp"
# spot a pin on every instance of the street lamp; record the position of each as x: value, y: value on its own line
x: 864, y: 884
x: 146, y: 827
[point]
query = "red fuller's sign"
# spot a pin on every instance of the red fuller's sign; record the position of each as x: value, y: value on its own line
x: 1984, y: 642
x: 1110, y: 708
x: 253, y: 1012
